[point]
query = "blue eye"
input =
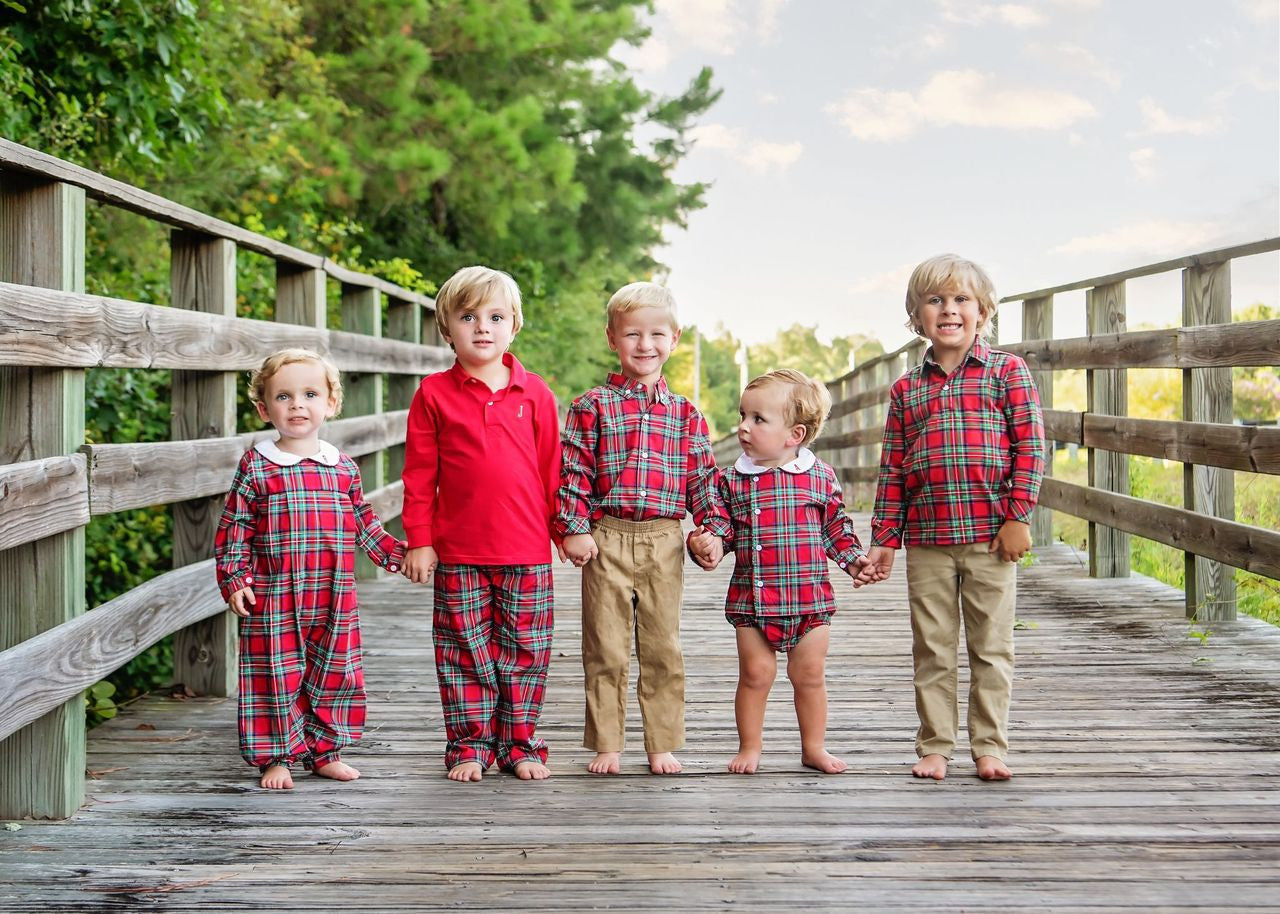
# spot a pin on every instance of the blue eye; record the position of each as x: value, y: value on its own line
x: 498, y: 318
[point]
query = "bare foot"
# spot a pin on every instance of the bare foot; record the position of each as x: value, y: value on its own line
x: 991, y: 768
x: 466, y: 771
x: 931, y: 766
x: 530, y: 769
x: 664, y: 763
x: 338, y: 771
x: 823, y: 761
x: 605, y: 763
x: 277, y: 777
x: 745, y: 762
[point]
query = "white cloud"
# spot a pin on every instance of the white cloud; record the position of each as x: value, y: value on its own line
x: 890, y: 281
x: 651, y: 57
x: 956, y: 97
x: 1144, y: 163
x: 967, y: 12
x: 767, y: 19
x: 1261, y: 10
x: 1078, y: 59
x: 757, y: 156
x: 1156, y: 120
x: 1158, y: 237
x: 708, y: 25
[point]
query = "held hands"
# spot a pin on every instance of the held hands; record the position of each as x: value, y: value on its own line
x: 241, y: 600
x: 858, y: 569
x: 420, y: 564
x: 578, y: 548
x: 706, y: 548
x: 1012, y: 542
x: 878, y: 564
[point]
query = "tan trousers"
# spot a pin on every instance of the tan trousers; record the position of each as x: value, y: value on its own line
x: 635, y: 585
x: 945, y: 583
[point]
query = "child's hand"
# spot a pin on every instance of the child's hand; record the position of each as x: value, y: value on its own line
x: 862, y: 571
x: 241, y: 600
x: 879, y: 564
x: 420, y: 564
x: 706, y: 548
x: 1013, y: 541
x: 579, y: 548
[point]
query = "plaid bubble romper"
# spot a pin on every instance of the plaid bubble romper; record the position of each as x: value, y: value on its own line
x: 289, y: 530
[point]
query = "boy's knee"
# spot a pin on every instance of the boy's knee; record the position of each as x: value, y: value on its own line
x: 758, y: 674
x: 806, y: 675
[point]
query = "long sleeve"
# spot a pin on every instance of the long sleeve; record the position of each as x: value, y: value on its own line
x: 546, y: 437
x: 838, y: 537
x: 578, y: 470
x: 383, y: 549
x: 702, y: 496
x: 233, y: 542
x: 421, y: 472
x: 1026, y: 441
x: 890, y: 514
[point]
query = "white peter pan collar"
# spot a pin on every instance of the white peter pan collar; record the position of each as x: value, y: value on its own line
x: 802, y: 464
x: 328, y: 454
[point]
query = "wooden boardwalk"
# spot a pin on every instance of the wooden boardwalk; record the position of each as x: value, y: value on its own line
x: 1146, y: 777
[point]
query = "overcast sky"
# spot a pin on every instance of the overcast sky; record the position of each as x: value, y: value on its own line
x: 1049, y: 141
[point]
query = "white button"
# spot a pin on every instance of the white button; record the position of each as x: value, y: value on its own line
x: 644, y: 453
x: 759, y: 583
x: 757, y: 510
x: 248, y: 579
x: 843, y: 564
x: 490, y: 403
x: 758, y: 547
x: 945, y: 386
x: 755, y: 479
x: 642, y: 493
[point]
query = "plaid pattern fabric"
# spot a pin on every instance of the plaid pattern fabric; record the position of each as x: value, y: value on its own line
x: 786, y: 524
x: 633, y: 460
x: 961, y: 453
x: 290, y: 533
x: 492, y: 631
x: 782, y: 633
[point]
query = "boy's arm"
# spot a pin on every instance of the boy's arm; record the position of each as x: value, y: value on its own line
x: 233, y: 542
x: 546, y: 439
x: 420, y: 474
x: 890, y: 513
x: 702, y: 494
x: 578, y: 469
x: 838, y: 536
x: 383, y: 549
x: 1026, y: 441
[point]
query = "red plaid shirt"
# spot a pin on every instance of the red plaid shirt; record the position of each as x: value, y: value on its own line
x: 633, y: 460
x: 962, y: 453
x: 787, y: 521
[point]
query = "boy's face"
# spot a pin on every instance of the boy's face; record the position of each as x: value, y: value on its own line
x: 297, y: 401
x: 763, y: 433
x: 951, y: 318
x: 643, y: 340
x: 481, y: 336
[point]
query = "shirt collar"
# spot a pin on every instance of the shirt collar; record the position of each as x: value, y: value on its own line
x: 327, y: 455
x: 633, y: 388
x: 802, y: 464
x: 980, y: 352
x: 519, y: 375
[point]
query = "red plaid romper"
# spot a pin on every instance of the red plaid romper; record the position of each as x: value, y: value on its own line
x: 289, y: 530
x: 481, y: 472
x: 787, y: 521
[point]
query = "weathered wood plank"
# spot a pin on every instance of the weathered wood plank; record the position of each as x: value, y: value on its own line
x: 1037, y: 323
x: 362, y: 314
x: 39, y: 498
x: 1243, y: 344
x: 1254, y: 449
x: 1108, y: 393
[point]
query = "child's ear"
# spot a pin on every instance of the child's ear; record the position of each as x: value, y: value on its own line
x: 608, y: 332
x: 262, y: 412
x: 675, y: 337
x: 796, y: 436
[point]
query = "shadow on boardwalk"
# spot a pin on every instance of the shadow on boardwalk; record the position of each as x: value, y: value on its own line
x: 1145, y: 768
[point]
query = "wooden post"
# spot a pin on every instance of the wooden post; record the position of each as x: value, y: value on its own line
x: 1206, y: 397
x: 362, y: 313
x: 404, y: 322
x: 42, y: 415
x: 1037, y: 324
x: 202, y: 272
x: 300, y: 295
x: 853, y: 490
x: 1109, y: 471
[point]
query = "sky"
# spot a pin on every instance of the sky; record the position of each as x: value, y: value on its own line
x: 1049, y: 141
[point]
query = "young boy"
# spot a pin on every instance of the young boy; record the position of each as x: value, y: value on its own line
x: 788, y: 520
x: 636, y: 457
x: 960, y: 471
x: 482, y: 465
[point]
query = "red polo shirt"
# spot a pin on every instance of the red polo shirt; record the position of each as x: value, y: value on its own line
x: 482, y: 468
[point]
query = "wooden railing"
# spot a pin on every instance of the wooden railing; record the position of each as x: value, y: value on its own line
x: 51, y: 483
x: 1205, y: 349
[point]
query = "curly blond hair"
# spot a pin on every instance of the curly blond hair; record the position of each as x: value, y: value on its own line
x: 808, y: 401
x: 277, y: 360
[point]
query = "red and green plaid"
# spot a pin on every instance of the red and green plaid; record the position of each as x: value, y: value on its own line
x: 633, y: 460
x: 290, y: 533
x: 962, y: 453
x: 492, y: 630
x: 786, y: 524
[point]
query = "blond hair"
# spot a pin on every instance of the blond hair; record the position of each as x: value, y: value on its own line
x: 807, y: 403
x: 636, y: 295
x: 471, y: 288
x: 946, y: 272
x: 277, y: 360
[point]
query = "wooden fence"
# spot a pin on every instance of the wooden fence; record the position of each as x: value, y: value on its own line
x: 1210, y: 447
x: 52, y: 483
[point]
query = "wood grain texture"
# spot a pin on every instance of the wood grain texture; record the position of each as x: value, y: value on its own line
x: 1243, y: 344
x: 42, y: 497
x: 1144, y: 780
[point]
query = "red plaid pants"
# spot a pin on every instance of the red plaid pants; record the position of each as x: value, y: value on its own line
x: 492, y: 630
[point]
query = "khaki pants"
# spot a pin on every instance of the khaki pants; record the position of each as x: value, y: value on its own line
x: 635, y: 584
x: 944, y: 583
